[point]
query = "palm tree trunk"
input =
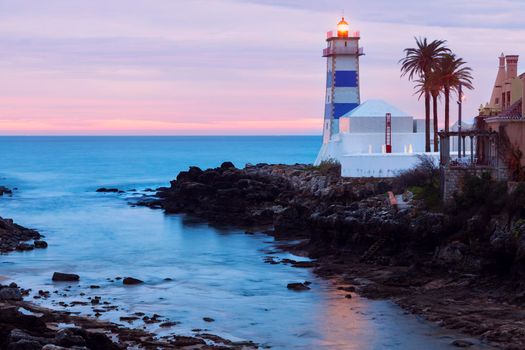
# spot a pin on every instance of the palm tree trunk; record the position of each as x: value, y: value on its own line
x: 435, y: 112
x: 427, y: 121
x: 447, y: 108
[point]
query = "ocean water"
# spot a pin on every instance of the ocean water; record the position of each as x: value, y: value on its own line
x: 216, y: 272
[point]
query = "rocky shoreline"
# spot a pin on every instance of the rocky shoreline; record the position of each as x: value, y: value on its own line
x: 26, y: 326
x: 15, y: 237
x: 440, y: 265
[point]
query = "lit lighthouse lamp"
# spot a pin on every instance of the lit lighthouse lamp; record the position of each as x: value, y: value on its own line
x: 343, y: 28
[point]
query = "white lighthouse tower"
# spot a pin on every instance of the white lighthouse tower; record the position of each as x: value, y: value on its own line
x: 342, y: 78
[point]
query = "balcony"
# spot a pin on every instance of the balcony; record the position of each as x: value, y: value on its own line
x: 330, y: 51
x: 333, y: 34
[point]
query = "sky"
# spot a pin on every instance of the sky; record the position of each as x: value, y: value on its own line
x: 223, y: 67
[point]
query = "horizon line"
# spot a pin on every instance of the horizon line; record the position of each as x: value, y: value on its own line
x: 195, y: 135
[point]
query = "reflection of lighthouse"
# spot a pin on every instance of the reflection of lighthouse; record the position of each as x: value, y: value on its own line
x: 342, y: 78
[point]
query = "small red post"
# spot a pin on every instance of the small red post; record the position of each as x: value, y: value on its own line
x: 388, y: 133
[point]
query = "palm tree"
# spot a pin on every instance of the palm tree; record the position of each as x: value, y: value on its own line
x: 453, y: 71
x: 418, y: 64
x: 433, y: 85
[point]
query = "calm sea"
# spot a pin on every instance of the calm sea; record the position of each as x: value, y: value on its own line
x: 215, y: 272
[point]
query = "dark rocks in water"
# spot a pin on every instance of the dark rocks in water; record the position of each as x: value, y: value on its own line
x: 107, y: 190
x: 297, y: 286
x: 13, y: 236
x: 40, y: 244
x: 169, y: 324
x: 348, y: 296
x: 305, y: 264
x: 65, y: 277
x: 24, y: 247
x: 208, y: 319
x: 131, y: 281
x: 5, y: 190
x: 184, y: 341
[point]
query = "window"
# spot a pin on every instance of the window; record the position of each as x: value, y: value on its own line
x: 346, y: 44
x: 497, y: 100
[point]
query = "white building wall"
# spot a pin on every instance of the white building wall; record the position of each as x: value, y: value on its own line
x: 351, y: 143
x: 379, y: 165
x: 377, y: 124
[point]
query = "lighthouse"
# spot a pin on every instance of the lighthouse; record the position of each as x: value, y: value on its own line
x: 342, y: 76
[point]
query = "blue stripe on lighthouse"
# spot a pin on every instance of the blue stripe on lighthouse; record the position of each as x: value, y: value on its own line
x: 341, y: 109
x: 328, y: 79
x: 346, y: 78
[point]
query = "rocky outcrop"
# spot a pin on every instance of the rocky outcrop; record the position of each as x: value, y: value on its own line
x: 437, y: 264
x: 5, y: 191
x: 15, y: 237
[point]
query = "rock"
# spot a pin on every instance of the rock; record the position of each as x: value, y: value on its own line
x: 305, y: 264
x: 107, y: 190
x: 24, y: 247
x: 40, y: 244
x: 227, y: 165
x: 208, y: 319
x: 348, y: 296
x: 297, y: 286
x: 25, y: 344
x: 168, y: 324
x: 460, y: 343
x: 8, y: 293
x: 5, y: 190
x: 69, y: 337
x: 184, y: 341
x: 131, y: 281
x: 65, y: 277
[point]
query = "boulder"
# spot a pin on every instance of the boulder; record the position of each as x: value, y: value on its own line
x: 107, y: 190
x: 24, y: 247
x: 8, y: 293
x: 24, y: 344
x: 297, y: 286
x: 65, y: 277
x: 40, y: 244
x: 227, y: 165
x: 5, y: 190
x: 131, y: 281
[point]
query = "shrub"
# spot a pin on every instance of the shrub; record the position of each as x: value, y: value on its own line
x: 422, y: 180
x: 328, y: 167
x: 481, y: 194
x: 424, y: 174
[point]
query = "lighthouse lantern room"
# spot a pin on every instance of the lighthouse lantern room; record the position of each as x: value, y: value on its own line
x: 342, y: 78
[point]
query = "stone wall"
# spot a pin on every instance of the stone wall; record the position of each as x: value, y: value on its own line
x: 452, y: 178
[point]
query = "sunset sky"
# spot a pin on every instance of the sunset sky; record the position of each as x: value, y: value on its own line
x: 175, y: 67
